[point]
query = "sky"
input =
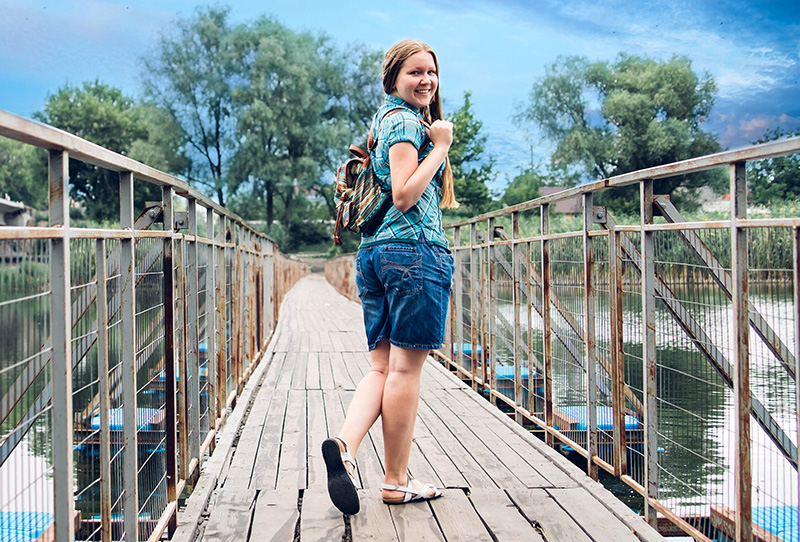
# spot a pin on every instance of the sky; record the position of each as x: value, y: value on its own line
x: 495, y: 49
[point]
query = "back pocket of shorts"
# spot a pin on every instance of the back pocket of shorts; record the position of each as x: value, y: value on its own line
x: 401, y: 269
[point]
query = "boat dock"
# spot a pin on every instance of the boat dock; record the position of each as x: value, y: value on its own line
x: 266, y: 479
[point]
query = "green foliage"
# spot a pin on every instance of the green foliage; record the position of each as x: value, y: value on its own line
x: 775, y: 180
x: 105, y: 116
x: 471, y: 169
x: 23, y: 173
x: 612, y: 118
x: 190, y: 76
x: 525, y: 186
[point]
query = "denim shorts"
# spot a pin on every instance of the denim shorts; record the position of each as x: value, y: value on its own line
x: 405, y: 293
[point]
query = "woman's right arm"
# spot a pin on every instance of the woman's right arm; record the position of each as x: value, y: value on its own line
x: 410, y: 178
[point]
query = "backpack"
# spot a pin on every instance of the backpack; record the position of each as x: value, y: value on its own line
x: 361, y: 203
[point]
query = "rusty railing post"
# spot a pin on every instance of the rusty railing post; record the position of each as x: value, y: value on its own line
x: 211, y: 320
x: 104, y: 400
x: 457, y: 312
x: 491, y: 311
x: 589, y: 310
x: 649, y: 352
x: 547, y: 330
x: 796, y: 253
x: 617, y: 353
x: 740, y: 334
x: 61, y: 332
x: 475, y: 273
x: 127, y: 279
x: 516, y: 295
x: 192, y: 337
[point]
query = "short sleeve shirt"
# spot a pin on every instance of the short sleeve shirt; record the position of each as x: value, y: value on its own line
x: 394, y: 122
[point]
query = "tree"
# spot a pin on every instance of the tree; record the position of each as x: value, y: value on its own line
x: 23, y: 173
x: 105, y: 116
x: 612, y: 118
x: 471, y: 169
x: 191, y: 76
x: 775, y: 179
x: 525, y: 186
x: 297, y: 113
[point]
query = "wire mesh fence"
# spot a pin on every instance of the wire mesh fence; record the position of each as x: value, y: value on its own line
x: 629, y: 335
x: 113, y: 346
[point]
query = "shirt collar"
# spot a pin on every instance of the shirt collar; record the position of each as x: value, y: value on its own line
x: 395, y: 100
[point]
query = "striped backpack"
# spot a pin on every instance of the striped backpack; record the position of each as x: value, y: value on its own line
x: 361, y: 203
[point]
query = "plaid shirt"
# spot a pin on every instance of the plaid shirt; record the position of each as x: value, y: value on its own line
x: 424, y: 219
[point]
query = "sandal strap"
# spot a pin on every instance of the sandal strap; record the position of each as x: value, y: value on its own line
x: 348, y: 459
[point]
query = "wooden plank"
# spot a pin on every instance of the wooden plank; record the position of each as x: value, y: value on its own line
x: 326, y: 381
x: 325, y: 344
x: 479, y: 423
x: 543, y: 511
x: 275, y: 515
x: 502, y: 517
x: 265, y: 470
x: 484, y: 458
x: 415, y: 522
x: 547, y: 462
x: 230, y: 516
x: 591, y: 515
x: 317, y: 432
x: 457, y: 518
x: 292, y: 472
x: 319, y: 519
x: 469, y: 469
x: 341, y: 375
x: 285, y: 375
x: 443, y: 465
x: 312, y: 371
x: 299, y: 372
x: 374, y: 521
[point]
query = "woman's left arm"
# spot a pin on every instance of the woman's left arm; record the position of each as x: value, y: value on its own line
x: 410, y: 178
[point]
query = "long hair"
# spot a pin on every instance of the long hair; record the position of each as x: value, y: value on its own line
x: 392, y: 62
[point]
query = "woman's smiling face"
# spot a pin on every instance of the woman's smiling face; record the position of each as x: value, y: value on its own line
x: 417, y: 81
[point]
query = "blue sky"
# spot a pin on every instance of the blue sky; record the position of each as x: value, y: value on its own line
x: 495, y: 49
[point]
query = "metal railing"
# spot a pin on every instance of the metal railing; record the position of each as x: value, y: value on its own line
x: 123, y: 349
x: 663, y: 352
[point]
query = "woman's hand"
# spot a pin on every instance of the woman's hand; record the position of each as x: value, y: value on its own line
x: 440, y: 133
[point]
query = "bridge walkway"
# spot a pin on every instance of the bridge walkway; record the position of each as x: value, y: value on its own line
x: 266, y: 479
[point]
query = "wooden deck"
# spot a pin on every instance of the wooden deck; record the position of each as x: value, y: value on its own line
x: 266, y: 479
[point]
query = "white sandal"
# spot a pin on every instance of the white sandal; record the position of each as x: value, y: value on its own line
x: 411, y: 494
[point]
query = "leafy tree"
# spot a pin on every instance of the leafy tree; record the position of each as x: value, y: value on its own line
x: 162, y: 147
x: 191, y: 76
x: 297, y: 113
x: 525, y: 186
x: 23, y: 173
x: 775, y: 179
x: 105, y: 116
x: 471, y: 169
x: 612, y: 118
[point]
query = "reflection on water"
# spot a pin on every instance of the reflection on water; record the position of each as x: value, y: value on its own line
x: 695, y: 413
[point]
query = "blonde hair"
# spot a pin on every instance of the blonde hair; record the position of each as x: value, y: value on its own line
x: 392, y: 63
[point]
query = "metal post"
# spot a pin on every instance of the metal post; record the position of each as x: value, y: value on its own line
x: 617, y: 352
x: 192, y: 336
x: 796, y: 251
x: 589, y: 335
x: 547, y: 330
x: 127, y: 278
x: 529, y: 302
x: 211, y: 359
x: 170, y: 414
x: 649, y: 353
x: 457, y: 315
x: 180, y: 355
x: 61, y: 332
x: 515, y: 299
x: 475, y: 272
x: 740, y: 334
x: 491, y: 311
x: 104, y: 403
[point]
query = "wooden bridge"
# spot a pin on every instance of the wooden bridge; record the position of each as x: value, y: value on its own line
x: 266, y: 479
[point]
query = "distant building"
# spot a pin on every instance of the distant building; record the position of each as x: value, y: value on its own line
x: 14, y: 213
x: 569, y: 206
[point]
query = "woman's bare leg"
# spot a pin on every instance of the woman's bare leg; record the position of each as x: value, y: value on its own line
x: 399, y: 412
x: 366, y: 404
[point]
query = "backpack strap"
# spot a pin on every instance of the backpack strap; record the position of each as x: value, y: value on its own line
x: 372, y: 142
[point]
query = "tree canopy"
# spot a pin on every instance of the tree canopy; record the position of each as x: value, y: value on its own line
x: 611, y: 118
x: 471, y: 168
x: 775, y: 179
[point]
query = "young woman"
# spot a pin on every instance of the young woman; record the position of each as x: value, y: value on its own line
x: 403, y: 273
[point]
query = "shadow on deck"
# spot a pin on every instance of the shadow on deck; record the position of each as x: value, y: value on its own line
x: 266, y: 479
